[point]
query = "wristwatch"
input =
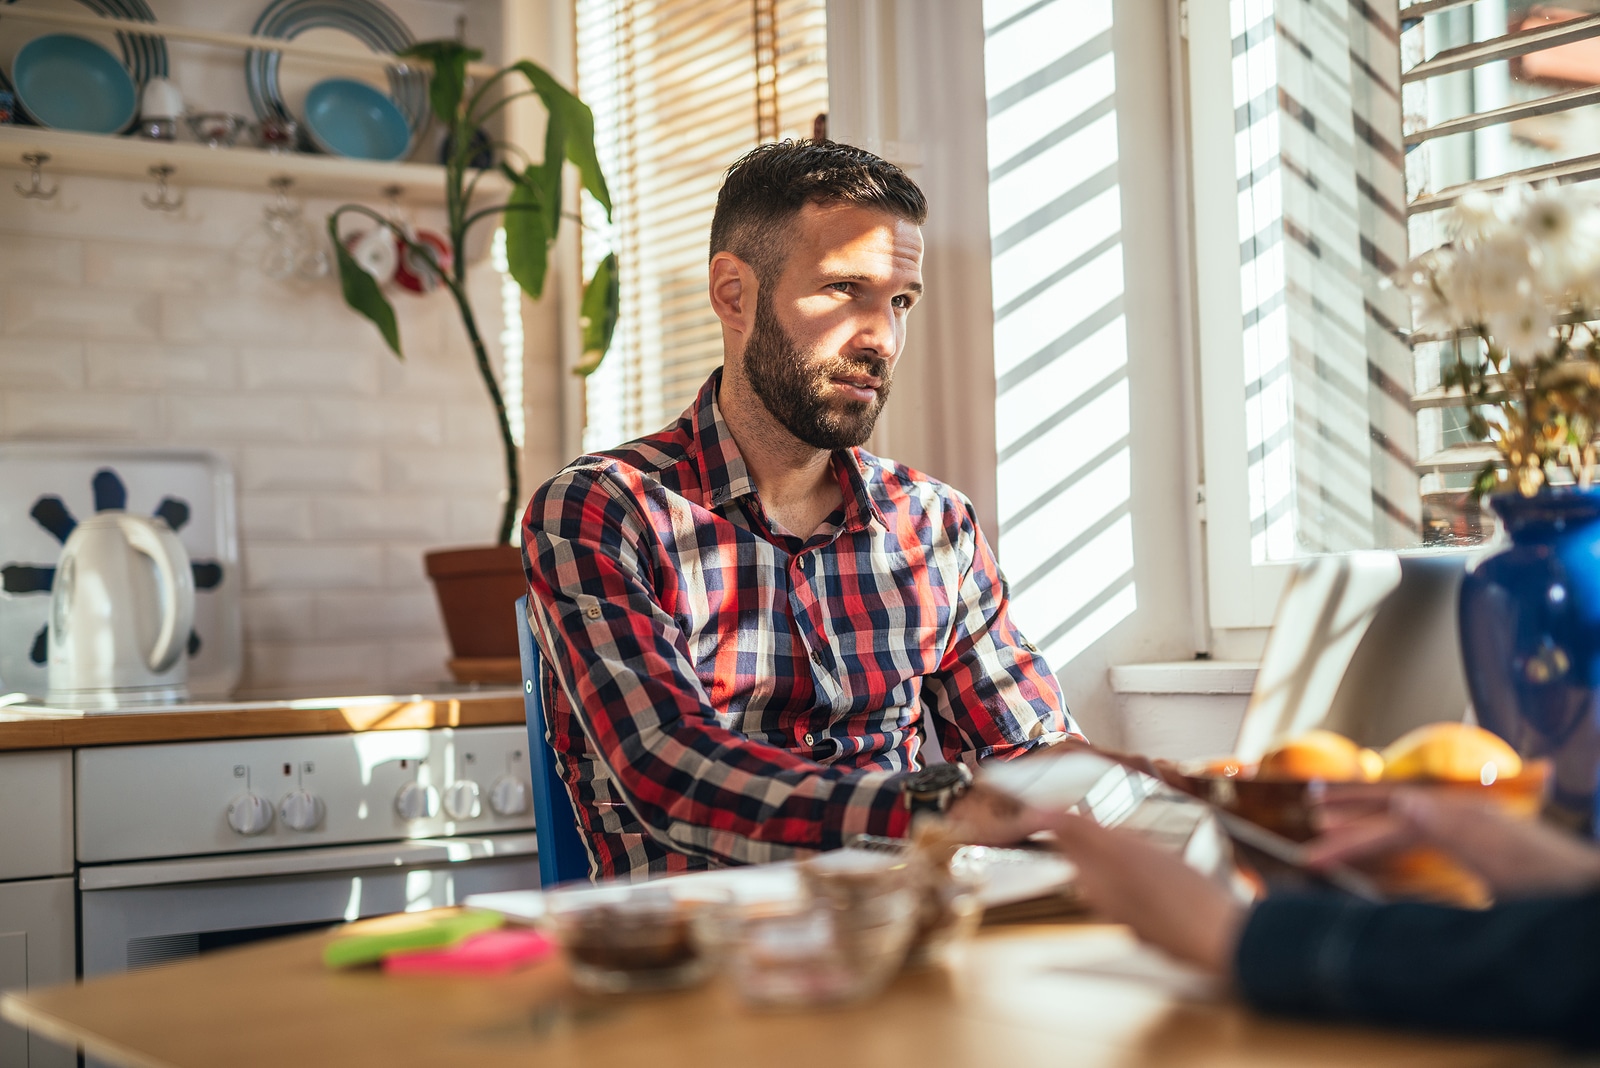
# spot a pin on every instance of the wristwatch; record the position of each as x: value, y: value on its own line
x: 933, y: 790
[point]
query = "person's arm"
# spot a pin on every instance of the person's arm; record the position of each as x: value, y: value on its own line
x: 1528, y: 968
x: 624, y: 664
x: 992, y: 696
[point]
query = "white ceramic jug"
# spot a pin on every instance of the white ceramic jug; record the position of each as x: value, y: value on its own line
x: 120, y: 614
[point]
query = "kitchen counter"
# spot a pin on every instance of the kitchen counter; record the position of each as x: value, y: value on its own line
x: 41, y: 728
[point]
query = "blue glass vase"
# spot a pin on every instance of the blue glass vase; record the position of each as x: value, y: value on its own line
x: 1530, y: 636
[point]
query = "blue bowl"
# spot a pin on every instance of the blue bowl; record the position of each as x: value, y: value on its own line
x: 352, y: 119
x: 69, y: 82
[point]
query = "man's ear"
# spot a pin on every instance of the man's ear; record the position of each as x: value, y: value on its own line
x: 733, y: 292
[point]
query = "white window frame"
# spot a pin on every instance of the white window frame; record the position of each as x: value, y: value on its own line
x: 1241, y: 594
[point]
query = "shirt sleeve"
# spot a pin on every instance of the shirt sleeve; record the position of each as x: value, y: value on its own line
x: 623, y: 663
x: 993, y: 695
x: 1528, y: 969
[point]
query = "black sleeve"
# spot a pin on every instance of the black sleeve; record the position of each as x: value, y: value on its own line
x: 1520, y: 969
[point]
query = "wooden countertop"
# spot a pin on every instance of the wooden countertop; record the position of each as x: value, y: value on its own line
x: 1081, y: 995
x: 259, y: 719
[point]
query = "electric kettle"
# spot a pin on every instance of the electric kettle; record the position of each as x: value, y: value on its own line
x: 121, y: 610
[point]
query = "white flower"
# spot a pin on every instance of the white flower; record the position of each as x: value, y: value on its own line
x: 1475, y: 216
x: 1523, y: 332
x: 1427, y: 280
x: 1495, y: 278
x: 1557, y: 226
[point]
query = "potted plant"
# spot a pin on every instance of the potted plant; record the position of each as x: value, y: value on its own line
x: 477, y: 586
x: 1520, y: 285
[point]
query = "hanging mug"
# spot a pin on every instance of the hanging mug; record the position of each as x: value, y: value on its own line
x: 414, y: 272
x: 375, y: 252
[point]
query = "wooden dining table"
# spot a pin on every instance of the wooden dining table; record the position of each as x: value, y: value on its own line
x: 1057, y: 994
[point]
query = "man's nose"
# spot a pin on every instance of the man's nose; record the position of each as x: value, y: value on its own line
x: 875, y: 330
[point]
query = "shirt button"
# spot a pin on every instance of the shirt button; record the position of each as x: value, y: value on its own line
x: 808, y: 739
x: 816, y: 657
x: 593, y: 611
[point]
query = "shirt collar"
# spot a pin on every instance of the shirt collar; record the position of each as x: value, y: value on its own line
x: 724, y: 476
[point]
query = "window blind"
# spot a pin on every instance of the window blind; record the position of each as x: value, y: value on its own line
x: 680, y: 89
x: 1494, y: 91
x: 1318, y: 160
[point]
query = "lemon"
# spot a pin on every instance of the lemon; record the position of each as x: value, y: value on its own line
x: 1451, y: 752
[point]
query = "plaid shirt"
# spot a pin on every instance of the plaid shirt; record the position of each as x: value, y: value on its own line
x: 720, y: 692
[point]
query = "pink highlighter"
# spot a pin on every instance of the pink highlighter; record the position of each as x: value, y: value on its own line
x: 490, y: 953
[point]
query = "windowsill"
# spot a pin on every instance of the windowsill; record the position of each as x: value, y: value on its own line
x: 1186, y: 677
x: 1187, y: 710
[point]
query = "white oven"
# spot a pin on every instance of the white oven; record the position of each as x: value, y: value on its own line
x: 192, y: 846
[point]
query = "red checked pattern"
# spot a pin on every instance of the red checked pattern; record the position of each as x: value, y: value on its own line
x: 743, y: 695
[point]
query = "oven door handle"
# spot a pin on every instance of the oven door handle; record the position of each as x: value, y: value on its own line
x: 387, y: 855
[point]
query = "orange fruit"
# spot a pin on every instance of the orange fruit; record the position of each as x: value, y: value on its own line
x: 1319, y: 754
x: 1451, y: 752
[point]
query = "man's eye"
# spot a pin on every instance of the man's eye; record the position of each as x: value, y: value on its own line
x: 842, y: 287
x: 901, y: 301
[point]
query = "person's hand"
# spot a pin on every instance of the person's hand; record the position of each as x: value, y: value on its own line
x: 985, y: 816
x: 1166, y: 902
x: 1515, y: 857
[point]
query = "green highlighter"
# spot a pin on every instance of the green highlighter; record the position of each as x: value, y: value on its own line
x: 355, y: 949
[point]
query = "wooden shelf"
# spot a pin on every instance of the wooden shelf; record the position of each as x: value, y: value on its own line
x: 285, y: 46
x: 242, y: 167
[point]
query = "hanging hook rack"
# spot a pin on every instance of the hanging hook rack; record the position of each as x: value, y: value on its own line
x: 280, y: 184
x: 35, y: 189
x: 163, y: 200
x: 391, y: 193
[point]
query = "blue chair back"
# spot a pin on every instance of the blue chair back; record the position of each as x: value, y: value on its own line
x: 562, y: 857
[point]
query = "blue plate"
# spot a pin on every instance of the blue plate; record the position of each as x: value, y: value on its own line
x: 144, y: 55
x: 352, y: 119
x: 68, y: 82
x: 368, y: 21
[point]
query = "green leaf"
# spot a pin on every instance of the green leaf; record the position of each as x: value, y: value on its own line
x: 362, y: 293
x: 1485, y: 481
x: 577, y: 126
x: 527, y: 239
x: 598, y: 315
x: 548, y: 173
x: 449, y: 59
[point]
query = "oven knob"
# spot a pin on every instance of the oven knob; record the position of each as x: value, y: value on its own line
x: 461, y: 800
x: 417, y: 802
x: 301, y: 811
x: 249, y: 814
x: 508, y: 796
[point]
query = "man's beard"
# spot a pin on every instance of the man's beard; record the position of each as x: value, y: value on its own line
x: 795, y: 392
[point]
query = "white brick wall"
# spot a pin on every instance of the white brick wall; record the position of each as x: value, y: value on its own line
x: 118, y: 324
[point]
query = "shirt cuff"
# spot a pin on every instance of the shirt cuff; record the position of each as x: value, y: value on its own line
x: 899, y: 822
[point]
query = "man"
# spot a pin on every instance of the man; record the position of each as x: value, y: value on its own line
x: 749, y: 620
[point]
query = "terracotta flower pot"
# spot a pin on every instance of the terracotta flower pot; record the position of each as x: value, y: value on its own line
x: 477, y: 590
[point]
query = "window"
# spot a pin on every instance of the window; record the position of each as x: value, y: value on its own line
x: 1327, y: 377
x: 1493, y: 90
x: 1325, y: 138
x: 680, y: 89
x: 1063, y: 417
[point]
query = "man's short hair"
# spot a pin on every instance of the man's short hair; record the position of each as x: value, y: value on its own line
x: 766, y: 188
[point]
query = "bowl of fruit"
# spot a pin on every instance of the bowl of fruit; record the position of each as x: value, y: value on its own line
x: 1288, y: 789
